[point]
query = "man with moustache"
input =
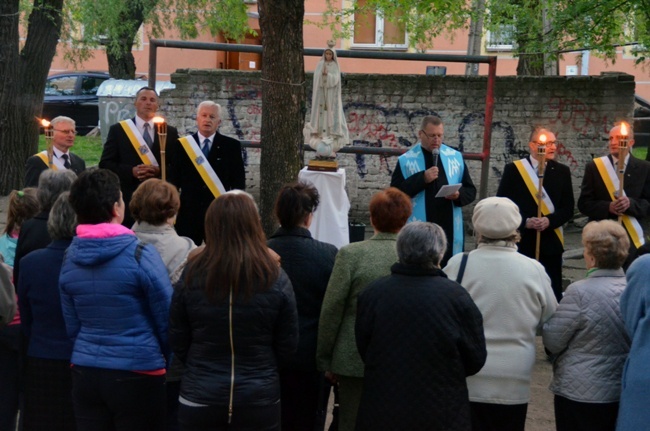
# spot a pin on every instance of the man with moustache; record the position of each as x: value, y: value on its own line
x: 423, y: 170
x: 599, y: 198
x: 205, y: 165
x: 132, y: 148
x: 62, y: 158
x: 519, y: 183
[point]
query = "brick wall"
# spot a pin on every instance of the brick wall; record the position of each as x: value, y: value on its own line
x: 386, y: 110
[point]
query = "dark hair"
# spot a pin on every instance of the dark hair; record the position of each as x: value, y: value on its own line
x: 390, y: 209
x: 295, y: 202
x: 147, y: 88
x: 93, y: 196
x: 235, y: 255
x: 154, y: 202
x: 23, y: 205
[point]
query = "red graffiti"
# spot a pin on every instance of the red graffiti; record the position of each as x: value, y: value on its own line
x: 566, y: 153
x: 370, y: 128
x: 582, y: 118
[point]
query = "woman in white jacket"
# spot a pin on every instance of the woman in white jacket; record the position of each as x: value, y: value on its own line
x: 515, y: 297
x: 588, y: 335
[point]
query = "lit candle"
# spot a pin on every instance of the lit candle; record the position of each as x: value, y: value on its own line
x: 162, y: 138
x: 49, y: 135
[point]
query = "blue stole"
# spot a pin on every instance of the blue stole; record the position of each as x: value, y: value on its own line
x: 412, y: 162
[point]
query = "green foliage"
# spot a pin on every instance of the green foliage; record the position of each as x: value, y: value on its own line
x: 422, y: 20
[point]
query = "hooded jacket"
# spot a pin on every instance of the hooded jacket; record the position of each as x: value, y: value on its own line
x: 115, y: 305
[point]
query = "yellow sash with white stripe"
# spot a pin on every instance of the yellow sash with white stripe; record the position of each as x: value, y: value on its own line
x: 139, y: 145
x: 529, y: 176
x: 609, y: 177
x: 202, y: 166
x: 43, y: 156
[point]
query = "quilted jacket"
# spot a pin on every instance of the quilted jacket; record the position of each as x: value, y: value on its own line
x: 116, y: 308
x: 588, y: 334
x: 264, y: 332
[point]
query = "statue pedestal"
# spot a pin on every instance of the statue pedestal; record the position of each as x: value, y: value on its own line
x: 330, y: 222
x: 323, y: 165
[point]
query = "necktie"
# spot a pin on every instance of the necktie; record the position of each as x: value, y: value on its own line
x: 146, y: 135
x: 206, y: 148
x: 66, y: 161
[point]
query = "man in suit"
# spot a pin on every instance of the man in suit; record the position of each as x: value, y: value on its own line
x: 599, y: 198
x: 423, y: 170
x: 132, y: 148
x: 205, y: 165
x: 62, y: 157
x: 520, y: 183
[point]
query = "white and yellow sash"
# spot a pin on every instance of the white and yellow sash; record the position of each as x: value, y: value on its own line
x: 530, y: 178
x: 139, y: 145
x: 57, y: 164
x: 202, y: 166
x: 610, y: 178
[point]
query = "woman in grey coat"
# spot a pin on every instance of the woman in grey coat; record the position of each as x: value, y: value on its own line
x: 588, y: 335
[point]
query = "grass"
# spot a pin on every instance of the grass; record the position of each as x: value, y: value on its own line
x: 88, y: 148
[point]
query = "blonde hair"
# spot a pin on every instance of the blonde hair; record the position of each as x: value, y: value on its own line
x: 607, y: 242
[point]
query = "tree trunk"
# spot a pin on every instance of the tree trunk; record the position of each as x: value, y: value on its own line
x: 475, y: 33
x: 283, y: 99
x: 530, y: 65
x: 121, y: 63
x: 22, y: 83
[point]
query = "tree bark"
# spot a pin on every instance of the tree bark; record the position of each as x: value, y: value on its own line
x: 121, y: 63
x: 22, y: 83
x: 283, y: 98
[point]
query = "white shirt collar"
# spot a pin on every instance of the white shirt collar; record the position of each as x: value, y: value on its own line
x: 139, y: 123
x: 58, y: 153
x: 615, y: 159
x: 203, y: 138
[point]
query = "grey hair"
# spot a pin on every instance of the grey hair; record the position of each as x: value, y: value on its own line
x: 51, y: 184
x: 430, y: 119
x: 209, y: 104
x: 63, y: 220
x: 422, y: 244
x: 62, y: 119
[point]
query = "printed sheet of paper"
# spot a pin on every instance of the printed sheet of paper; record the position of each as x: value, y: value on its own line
x: 447, y: 190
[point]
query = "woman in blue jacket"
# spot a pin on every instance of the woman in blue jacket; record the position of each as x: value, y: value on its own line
x: 115, y: 297
x: 233, y: 319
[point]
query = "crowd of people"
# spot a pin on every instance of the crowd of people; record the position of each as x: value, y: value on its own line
x: 159, y: 304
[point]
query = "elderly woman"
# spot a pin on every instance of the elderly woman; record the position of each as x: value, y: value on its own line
x: 356, y: 266
x: 588, y: 335
x: 420, y: 335
x: 154, y: 206
x: 115, y: 297
x: 233, y: 320
x: 48, y: 382
x: 633, y: 413
x: 308, y: 263
x: 514, y: 295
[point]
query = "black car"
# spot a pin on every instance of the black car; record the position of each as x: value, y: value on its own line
x: 74, y: 95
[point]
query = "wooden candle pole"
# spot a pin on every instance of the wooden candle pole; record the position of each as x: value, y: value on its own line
x: 541, y: 159
x: 162, y: 138
x: 49, y: 135
x: 622, y: 153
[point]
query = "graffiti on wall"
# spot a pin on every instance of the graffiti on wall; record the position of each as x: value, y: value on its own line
x: 376, y: 126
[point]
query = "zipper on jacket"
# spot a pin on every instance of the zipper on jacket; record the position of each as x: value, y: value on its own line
x: 232, y: 360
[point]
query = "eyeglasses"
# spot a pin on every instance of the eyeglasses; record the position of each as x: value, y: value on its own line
x: 435, y: 135
x: 67, y: 132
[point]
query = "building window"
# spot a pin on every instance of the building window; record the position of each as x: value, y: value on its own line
x: 373, y: 30
x: 503, y: 39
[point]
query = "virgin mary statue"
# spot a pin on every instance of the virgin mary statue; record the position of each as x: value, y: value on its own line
x: 327, y: 128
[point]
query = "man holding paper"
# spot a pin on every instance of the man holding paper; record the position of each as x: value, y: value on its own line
x: 132, y: 148
x: 205, y: 165
x: 438, y: 181
x: 520, y: 183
